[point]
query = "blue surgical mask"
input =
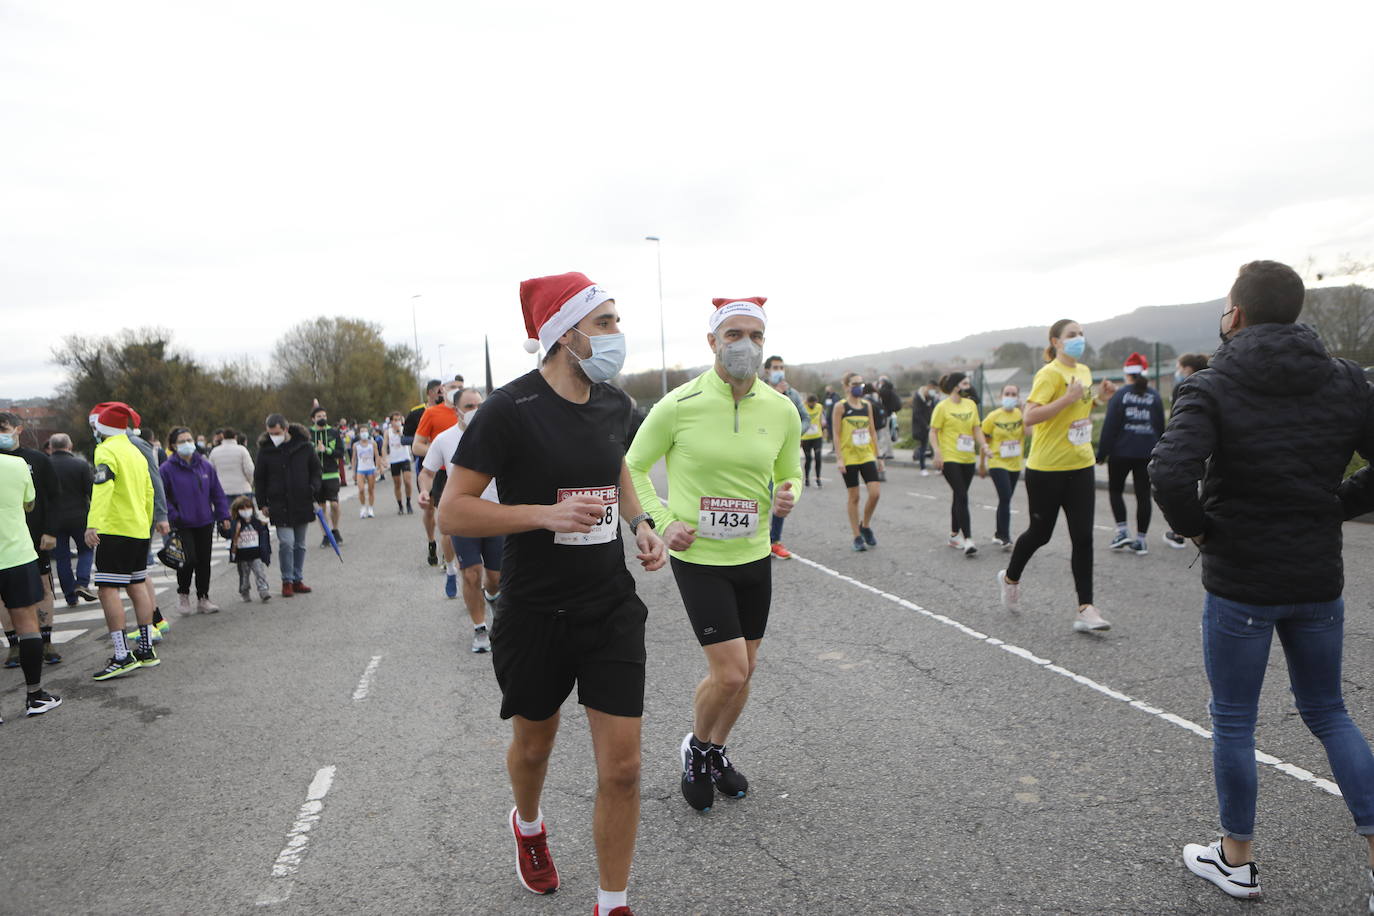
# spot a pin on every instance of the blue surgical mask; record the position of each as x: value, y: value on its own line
x: 186, y: 449
x: 607, y: 359
x: 8, y: 442
x: 1074, y: 346
x: 856, y: 390
x: 1008, y: 403
x: 1179, y: 376
x: 775, y: 377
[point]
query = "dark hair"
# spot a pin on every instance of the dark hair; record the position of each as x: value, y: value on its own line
x: 1268, y: 293
x: 229, y: 433
x: 177, y: 431
x: 549, y: 354
x: 316, y: 410
x: 10, y: 420
x: 275, y: 419
x: 243, y: 502
x: 1056, y: 329
x: 768, y: 363
x: 844, y: 379
x: 432, y: 384
x: 812, y: 399
x: 951, y: 381
x: 1195, y: 361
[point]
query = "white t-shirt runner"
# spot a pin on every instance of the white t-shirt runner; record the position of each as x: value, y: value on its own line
x: 397, y: 449
x: 440, y: 457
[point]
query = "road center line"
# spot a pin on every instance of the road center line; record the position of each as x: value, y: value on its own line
x: 365, y: 684
x: 1287, y: 769
x: 283, y: 880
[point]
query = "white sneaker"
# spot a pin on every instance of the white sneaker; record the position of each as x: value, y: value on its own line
x: 1088, y: 619
x: 362, y: 513
x: 481, y: 641
x: 184, y: 605
x: 1011, y: 592
x: 206, y: 606
x: 1237, y: 880
x: 969, y: 548
x: 956, y: 541
x: 925, y: 473
x: 371, y: 511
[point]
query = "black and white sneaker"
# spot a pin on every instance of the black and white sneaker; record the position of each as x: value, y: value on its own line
x: 697, y: 787
x: 40, y: 702
x: 1208, y: 862
x: 1176, y: 541
x: 970, y: 549
x: 1120, y: 540
x: 1138, y: 547
x: 729, y: 781
x: 481, y: 642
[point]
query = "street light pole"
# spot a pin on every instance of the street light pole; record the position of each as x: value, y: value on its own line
x: 415, y: 329
x: 662, y: 336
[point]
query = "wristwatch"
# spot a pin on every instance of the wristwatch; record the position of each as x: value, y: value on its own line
x: 641, y: 517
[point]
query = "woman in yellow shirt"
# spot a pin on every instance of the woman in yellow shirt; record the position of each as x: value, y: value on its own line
x: 811, y: 439
x: 852, y: 424
x: 1059, y: 472
x: 956, y: 438
x: 1005, y: 431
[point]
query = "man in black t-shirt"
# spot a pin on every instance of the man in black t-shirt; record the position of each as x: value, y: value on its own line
x: 568, y: 615
x: 434, y: 394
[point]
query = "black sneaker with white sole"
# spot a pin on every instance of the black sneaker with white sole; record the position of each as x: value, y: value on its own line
x: 1176, y: 541
x: 1209, y: 863
x: 1138, y: 547
x: 1120, y: 540
x: 729, y: 781
x: 697, y: 787
x: 40, y: 702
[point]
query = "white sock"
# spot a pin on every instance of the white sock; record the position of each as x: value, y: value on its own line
x: 609, y: 900
x: 121, y: 648
x: 531, y: 828
x: 492, y: 596
x: 452, y: 567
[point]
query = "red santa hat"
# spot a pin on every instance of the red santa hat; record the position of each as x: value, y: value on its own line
x: 116, y: 418
x: 552, y: 305
x: 1136, y: 364
x: 728, y: 308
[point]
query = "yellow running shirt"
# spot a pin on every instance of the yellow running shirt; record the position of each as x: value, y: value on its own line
x: 813, y: 427
x: 1006, y: 438
x: 955, y: 424
x: 1065, y: 441
x: 856, y: 434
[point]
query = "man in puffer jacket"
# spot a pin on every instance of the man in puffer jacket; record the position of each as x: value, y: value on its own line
x: 1269, y: 429
x: 287, y: 484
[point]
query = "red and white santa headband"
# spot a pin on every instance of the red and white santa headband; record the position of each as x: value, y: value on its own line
x: 729, y: 308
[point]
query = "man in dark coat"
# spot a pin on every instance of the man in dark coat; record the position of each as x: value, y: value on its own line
x: 1268, y: 429
x: 74, y: 477
x: 287, y: 483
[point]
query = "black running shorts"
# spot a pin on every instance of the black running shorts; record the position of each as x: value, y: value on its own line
x: 329, y: 490
x: 539, y: 655
x: 120, y: 560
x: 725, y: 602
x: 20, y: 586
x: 399, y: 467
x: 852, y: 472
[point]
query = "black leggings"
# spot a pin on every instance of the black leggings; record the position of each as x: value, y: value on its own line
x: 1047, y: 492
x: 195, y: 542
x: 1139, y: 469
x: 959, y: 476
x: 808, y: 447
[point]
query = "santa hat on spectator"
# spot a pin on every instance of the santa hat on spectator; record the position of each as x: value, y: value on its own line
x: 552, y: 305
x: 1136, y: 364
x: 728, y: 308
x: 114, y: 418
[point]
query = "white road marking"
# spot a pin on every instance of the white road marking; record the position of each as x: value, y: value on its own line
x: 921, y: 495
x: 365, y: 684
x: 1288, y: 769
x: 61, y: 636
x: 95, y: 613
x: 279, y: 886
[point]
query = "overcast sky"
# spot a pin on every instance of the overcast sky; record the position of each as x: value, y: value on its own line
x: 887, y: 174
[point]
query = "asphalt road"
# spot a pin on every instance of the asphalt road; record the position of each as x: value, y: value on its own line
x: 912, y: 748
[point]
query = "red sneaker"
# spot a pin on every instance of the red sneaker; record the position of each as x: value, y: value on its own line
x: 300, y: 588
x: 286, y: 590
x: 781, y: 552
x: 618, y: 911
x: 533, y: 864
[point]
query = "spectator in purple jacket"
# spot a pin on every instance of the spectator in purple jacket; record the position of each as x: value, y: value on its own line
x: 195, y: 502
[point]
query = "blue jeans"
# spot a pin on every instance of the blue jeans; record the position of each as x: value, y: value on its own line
x: 291, y: 550
x: 1235, y: 647
x: 62, y: 559
x: 1005, y: 482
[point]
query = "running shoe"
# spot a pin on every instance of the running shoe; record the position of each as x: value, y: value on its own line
x: 72, y: 601
x: 206, y: 606
x: 481, y: 641
x: 450, y: 585
x: 338, y: 536
x: 12, y: 660
x: 264, y: 597
x: 324, y: 541
x: 1237, y: 880
x: 729, y: 781
x: 970, y: 548
x: 155, y: 635
x: 371, y: 511
x: 1002, y: 542
x: 50, y: 654
x: 162, y: 625
x: 184, y: 605
x: 362, y: 513
x: 956, y: 541
x: 1011, y: 591
x: 433, y: 559
x: 533, y: 864
x: 300, y: 588
x: 287, y: 589
x: 410, y: 510
x: 147, y: 659
x: 867, y: 535
x: 247, y: 597
x: 116, y: 668
x: 697, y: 787
x: 40, y: 702
x: 86, y: 593
x: 924, y: 472
x: 859, y: 545
x: 1176, y: 541
x: 1088, y: 619
x: 806, y: 482
x: 781, y: 552
x: 1119, y: 540
x: 1138, y: 547
x: 819, y: 485
x: 400, y: 509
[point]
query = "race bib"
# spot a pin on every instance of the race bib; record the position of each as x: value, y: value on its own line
x: 1081, y: 432
x: 248, y: 537
x: 964, y: 443
x: 604, y: 531
x: 810, y: 430
x: 725, y: 519
x: 860, y: 437
x: 1010, y: 448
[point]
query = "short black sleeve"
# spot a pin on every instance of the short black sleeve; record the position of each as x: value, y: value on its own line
x: 492, y: 439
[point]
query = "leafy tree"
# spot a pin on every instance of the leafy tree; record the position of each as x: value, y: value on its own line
x: 1015, y: 355
x: 1114, y: 352
x: 347, y: 365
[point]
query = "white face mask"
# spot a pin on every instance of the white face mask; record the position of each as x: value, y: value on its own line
x: 276, y: 439
x: 245, y: 514
x: 467, y: 415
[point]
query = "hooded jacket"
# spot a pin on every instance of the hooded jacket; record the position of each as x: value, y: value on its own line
x: 194, y: 496
x: 1132, y: 425
x: 286, y: 479
x: 1269, y: 429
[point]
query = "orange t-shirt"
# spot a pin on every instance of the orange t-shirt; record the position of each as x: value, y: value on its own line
x: 436, y: 419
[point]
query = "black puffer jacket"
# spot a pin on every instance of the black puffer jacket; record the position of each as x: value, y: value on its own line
x: 286, y: 479
x: 1269, y: 429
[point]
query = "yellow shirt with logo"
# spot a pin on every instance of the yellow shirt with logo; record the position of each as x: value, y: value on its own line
x: 1006, y: 433
x: 16, y: 489
x: 122, y: 495
x: 856, y: 434
x: 1065, y: 441
x: 955, y: 424
x: 813, y: 427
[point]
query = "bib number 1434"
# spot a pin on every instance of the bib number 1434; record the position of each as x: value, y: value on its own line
x: 606, y: 527
x: 726, y: 519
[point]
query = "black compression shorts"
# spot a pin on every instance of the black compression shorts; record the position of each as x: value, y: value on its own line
x: 20, y: 586
x: 539, y: 655
x: 399, y: 467
x: 726, y: 602
x: 329, y: 490
x: 852, y: 472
